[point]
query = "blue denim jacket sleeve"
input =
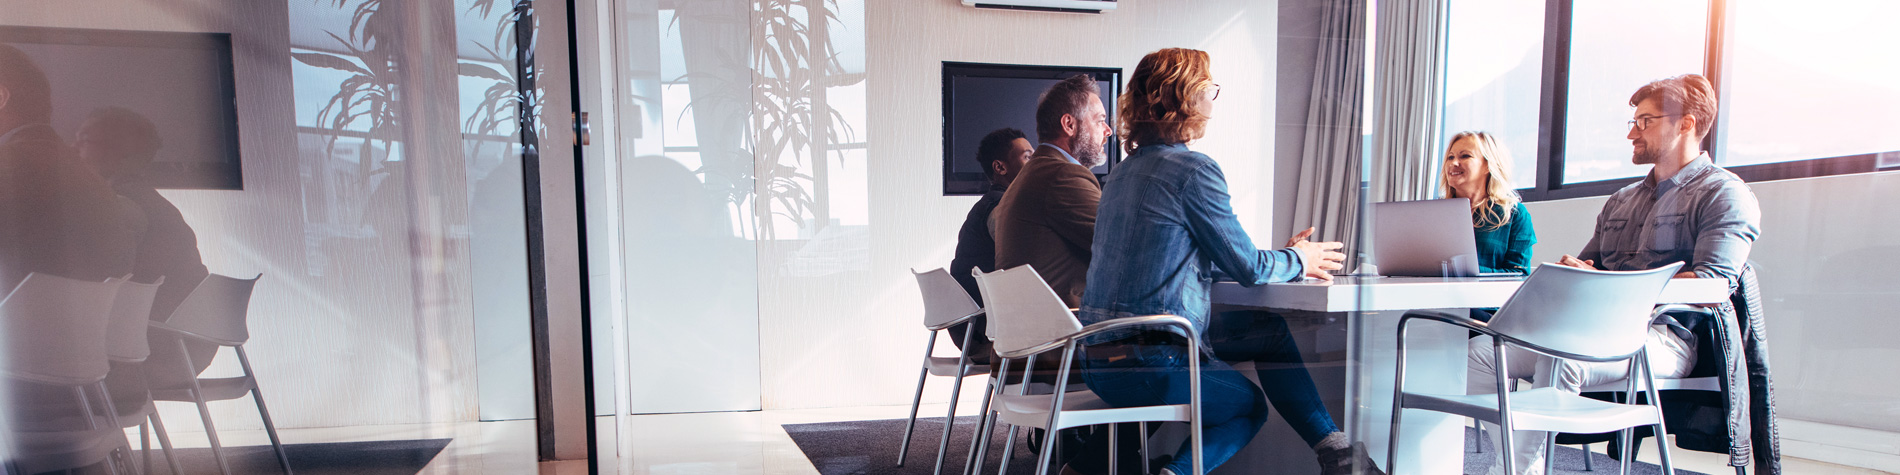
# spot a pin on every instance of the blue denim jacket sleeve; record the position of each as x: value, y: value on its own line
x: 1217, y: 234
x: 1725, y: 231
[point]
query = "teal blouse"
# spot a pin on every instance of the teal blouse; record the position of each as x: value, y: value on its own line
x: 1506, y: 248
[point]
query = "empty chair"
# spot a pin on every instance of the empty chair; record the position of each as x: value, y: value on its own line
x: 216, y: 312
x: 1562, y: 312
x: 1027, y: 319
x: 53, y: 335
x: 945, y: 306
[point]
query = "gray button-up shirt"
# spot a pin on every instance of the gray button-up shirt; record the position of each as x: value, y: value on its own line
x: 1703, y: 216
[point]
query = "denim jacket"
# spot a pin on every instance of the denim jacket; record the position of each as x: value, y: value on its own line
x: 1165, y: 219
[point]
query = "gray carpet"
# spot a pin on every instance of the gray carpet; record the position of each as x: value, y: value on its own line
x: 870, y: 447
x: 391, y: 457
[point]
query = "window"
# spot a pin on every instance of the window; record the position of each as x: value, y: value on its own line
x: 1801, y: 82
x: 1494, y: 60
x: 1805, y: 89
x: 1611, y: 55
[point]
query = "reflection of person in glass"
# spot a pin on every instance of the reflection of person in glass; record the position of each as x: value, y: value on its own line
x: 56, y: 217
x: 120, y: 145
x: 1165, y: 217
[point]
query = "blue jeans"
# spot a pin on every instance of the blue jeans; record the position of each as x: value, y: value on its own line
x: 1264, y: 339
x: 1154, y: 371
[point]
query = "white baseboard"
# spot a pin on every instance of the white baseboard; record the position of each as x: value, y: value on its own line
x: 1843, y: 445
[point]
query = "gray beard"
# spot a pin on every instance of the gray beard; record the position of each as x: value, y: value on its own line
x: 1087, y: 152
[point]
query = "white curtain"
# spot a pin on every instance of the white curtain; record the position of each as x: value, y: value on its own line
x: 1408, y: 90
x: 1330, y: 171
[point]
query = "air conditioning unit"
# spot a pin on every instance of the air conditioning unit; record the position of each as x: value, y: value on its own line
x: 1070, y: 6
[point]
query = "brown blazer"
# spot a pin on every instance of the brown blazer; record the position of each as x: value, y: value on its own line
x: 1047, y: 220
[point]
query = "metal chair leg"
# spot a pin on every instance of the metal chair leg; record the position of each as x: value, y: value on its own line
x: 1479, y: 427
x: 1009, y: 447
x: 1586, y: 459
x: 1145, y: 469
x: 985, y: 423
x: 165, y: 443
x: 1114, y: 449
x: 204, y: 411
x: 257, y: 394
x: 950, y: 419
x: 923, y: 374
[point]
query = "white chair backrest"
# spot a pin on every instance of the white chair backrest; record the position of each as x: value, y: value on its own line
x: 53, y: 329
x: 944, y: 300
x: 216, y: 310
x: 1023, y: 312
x: 1600, y: 314
x: 131, y: 314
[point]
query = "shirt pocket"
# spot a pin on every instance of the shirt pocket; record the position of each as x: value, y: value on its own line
x: 1614, y: 236
x: 1668, y: 233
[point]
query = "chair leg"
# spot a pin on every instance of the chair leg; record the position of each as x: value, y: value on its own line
x: 145, y: 445
x: 165, y: 443
x: 1478, y: 426
x: 1114, y: 449
x: 1051, y: 441
x: 985, y: 423
x: 1550, y: 452
x: 1145, y: 469
x: 204, y: 411
x: 257, y: 394
x: 1009, y: 447
x: 1623, y: 445
x: 1586, y: 459
x: 950, y: 419
x: 903, y: 448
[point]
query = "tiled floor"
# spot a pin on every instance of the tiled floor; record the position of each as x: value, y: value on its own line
x: 735, y: 443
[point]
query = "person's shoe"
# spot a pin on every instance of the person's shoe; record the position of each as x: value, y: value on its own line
x: 1343, y: 460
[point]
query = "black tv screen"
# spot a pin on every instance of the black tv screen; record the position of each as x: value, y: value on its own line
x: 980, y: 97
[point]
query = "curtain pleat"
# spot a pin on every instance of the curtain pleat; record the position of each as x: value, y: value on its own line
x: 1330, y: 171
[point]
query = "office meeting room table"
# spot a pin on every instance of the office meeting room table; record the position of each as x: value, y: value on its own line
x: 1347, y: 330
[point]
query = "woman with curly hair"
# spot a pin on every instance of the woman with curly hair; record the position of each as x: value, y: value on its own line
x: 1165, y: 223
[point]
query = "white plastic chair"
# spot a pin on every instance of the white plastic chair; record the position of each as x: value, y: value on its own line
x: 126, y: 342
x: 945, y: 305
x: 1562, y: 312
x: 1026, y: 319
x: 216, y: 312
x: 53, y: 333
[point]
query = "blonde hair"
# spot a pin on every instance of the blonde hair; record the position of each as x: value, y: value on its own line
x: 1498, y: 191
x: 1156, y: 107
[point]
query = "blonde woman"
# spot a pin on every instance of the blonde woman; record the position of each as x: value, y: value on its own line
x: 1477, y: 168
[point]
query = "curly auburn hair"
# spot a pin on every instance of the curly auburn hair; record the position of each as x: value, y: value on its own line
x: 1155, y: 108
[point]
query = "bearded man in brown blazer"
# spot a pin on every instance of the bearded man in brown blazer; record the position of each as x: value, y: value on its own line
x: 1047, y: 218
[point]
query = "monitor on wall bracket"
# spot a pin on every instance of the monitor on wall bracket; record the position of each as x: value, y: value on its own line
x: 980, y: 97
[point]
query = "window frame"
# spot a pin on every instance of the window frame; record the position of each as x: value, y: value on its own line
x: 1553, y: 112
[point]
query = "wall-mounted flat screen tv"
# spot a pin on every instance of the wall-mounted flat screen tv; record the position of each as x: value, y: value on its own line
x: 981, y: 97
x: 182, y: 82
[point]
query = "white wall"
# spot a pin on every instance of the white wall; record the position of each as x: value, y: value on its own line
x: 1829, y: 263
x: 850, y: 338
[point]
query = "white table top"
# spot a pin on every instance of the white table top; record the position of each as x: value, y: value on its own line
x: 1357, y: 294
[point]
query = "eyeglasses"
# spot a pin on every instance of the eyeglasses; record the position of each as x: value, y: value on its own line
x: 1216, y: 93
x: 1642, y: 122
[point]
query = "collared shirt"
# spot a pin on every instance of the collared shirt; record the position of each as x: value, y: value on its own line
x: 1165, y: 222
x: 1704, y: 217
x: 1065, y: 153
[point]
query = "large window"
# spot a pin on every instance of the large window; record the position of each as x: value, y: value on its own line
x: 1495, y: 59
x: 1617, y: 46
x: 1808, y: 80
x: 1806, y: 89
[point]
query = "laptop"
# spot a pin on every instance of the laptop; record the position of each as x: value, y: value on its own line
x: 1430, y: 238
